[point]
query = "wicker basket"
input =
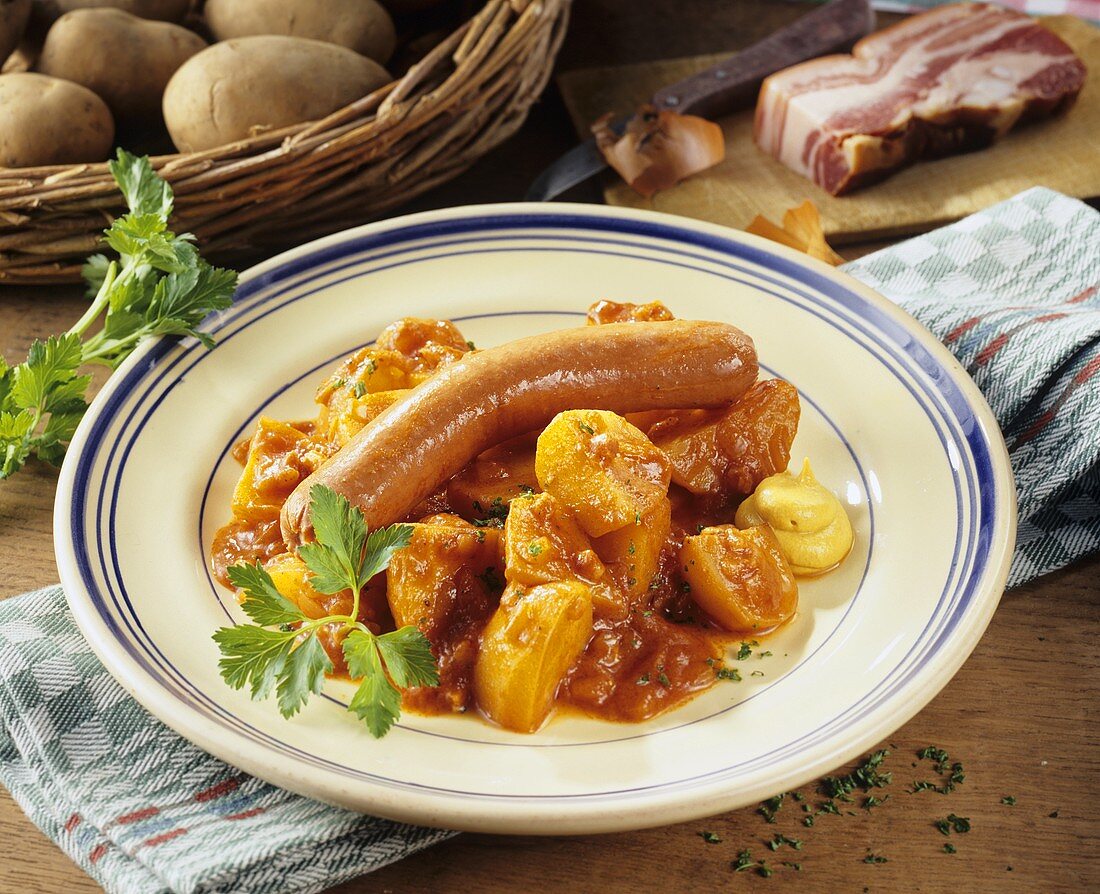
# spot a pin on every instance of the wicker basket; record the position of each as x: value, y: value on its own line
x: 280, y: 187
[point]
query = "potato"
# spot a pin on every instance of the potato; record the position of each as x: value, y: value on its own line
x: 731, y: 451
x: 48, y: 11
x: 543, y: 543
x: 450, y: 570
x: 13, y: 22
x: 488, y: 484
x: 602, y: 312
x: 47, y: 121
x: 601, y: 467
x: 125, y: 60
x: 347, y: 411
x: 360, y: 25
x: 633, y: 554
x: 290, y: 576
x: 430, y: 343
x: 740, y: 578
x: 757, y: 433
x: 689, y: 438
x: 239, y: 87
x: 279, y: 456
x: 527, y: 648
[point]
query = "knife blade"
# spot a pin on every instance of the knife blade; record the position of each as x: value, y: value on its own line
x: 726, y: 86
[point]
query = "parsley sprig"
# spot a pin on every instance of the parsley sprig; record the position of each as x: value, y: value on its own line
x: 290, y: 659
x: 158, y: 285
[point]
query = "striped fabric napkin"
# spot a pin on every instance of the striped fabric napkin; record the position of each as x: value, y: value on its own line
x: 1013, y: 291
x: 142, y: 810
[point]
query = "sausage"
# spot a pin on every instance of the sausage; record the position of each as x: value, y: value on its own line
x: 427, y: 437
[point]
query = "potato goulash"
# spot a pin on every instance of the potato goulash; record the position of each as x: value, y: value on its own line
x: 592, y: 515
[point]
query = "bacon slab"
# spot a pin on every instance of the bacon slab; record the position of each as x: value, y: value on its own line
x: 949, y: 80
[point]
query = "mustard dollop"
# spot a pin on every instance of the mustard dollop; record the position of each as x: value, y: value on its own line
x: 808, y: 520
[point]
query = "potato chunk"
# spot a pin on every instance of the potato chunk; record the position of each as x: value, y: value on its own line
x: 740, y: 578
x: 486, y: 486
x: 602, y: 467
x: 624, y: 312
x: 731, y: 451
x: 290, y: 576
x: 527, y: 648
x: 422, y: 340
x: 689, y: 439
x: 347, y: 412
x: 756, y: 434
x: 368, y: 370
x: 543, y: 543
x: 450, y: 573
x: 279, y: 456
x: 633, y: 554
x: 406, y: 353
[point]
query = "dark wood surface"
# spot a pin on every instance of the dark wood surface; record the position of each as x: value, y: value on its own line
x: 1020, y: 715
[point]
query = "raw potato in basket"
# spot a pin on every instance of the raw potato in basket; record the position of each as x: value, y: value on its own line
x: 360, y: 25
x: 159, y: 10
x: 619, y: 579
x: 240, y: 87
x: 125, y: 60
x: 46, y: 120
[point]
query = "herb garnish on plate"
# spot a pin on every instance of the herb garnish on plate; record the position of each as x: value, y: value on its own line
x: 290, y: 659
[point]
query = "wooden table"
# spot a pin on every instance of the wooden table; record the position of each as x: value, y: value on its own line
x: 1020, y: 715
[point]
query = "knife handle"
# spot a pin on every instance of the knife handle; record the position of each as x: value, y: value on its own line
x: 733, y: 83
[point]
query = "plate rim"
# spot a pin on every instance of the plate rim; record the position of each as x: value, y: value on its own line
x: 562, y: 815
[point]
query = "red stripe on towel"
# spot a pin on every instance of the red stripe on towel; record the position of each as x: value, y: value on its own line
x: 245, y: 814
x: 137, y: 816
x: 1087, y: 372
x: 165, y: 836
x: 216, y: 791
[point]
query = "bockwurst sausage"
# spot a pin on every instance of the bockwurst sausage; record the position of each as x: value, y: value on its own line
x: 421, y: 441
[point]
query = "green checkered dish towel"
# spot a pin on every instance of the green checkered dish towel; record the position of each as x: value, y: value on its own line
x: 141, y: 809
x: 1012, y: 291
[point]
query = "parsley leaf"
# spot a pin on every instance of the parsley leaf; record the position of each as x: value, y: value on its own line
x: 377, y: 701
x: 302, y: 675
x: 253, y: 656
x: 144, y: 194
x: 408, y: 657
x: 264, y: 604
x: 344, y: 557
x: 159, y: 285
x: 49, y: 364
x: 291, y: 660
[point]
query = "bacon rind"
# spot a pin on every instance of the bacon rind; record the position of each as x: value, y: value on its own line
x: 950, y: 80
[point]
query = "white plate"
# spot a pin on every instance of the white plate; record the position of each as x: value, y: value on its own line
x: 891, y: 421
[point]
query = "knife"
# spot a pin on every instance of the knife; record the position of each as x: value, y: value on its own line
x: 727, y: 86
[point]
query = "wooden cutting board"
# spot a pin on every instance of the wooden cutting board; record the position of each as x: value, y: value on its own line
x: 1062, y: 153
